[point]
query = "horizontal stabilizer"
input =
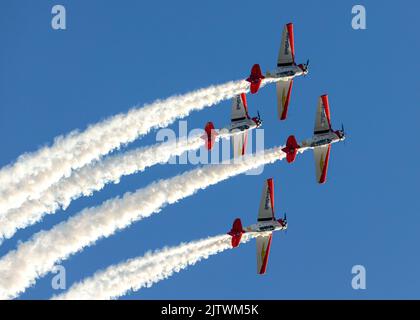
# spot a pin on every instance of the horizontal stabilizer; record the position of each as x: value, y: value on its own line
x: 209, y: 135
x: 291, y: 149
x: 236, y: 232
x: 255, y: 78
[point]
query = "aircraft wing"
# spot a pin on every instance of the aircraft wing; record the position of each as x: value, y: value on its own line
x: 322, y: 117
x: 239, y: 108
x: 284, y: 89
x: 322, y: 155
x: 266, y: 211
x: 263, y: 251
x: 240, y: 141
x: 287, y: 47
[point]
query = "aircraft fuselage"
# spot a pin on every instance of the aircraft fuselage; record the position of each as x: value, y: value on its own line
x: 322, y: 139
x: 241, y: 126
x: 286, y: 72
x: 266, y: 226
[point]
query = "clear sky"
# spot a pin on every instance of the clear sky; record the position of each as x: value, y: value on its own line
x: 114, y: 56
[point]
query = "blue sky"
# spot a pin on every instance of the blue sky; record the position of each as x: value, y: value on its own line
x: 113, y: 57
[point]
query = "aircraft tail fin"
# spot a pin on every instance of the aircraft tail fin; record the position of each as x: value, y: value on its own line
x: 209, y: 135
x: 255, y: 78
x: 291, y: 149
x: 236, y: 232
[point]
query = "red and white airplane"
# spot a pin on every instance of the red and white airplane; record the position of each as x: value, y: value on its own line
x: 286, y: 70
x: 264, y: 227
x: 321, y: 141
x: 240, y: 124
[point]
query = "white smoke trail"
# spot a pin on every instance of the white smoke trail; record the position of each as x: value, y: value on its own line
x: 93, y: 177
x: 134, y: 274
x: 34, y: 172
x: 34, y: 258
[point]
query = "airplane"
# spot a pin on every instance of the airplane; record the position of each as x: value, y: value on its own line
x: 286, y: 70
x: 240, y: 124
x: 263, y: 229
x: 321, y: 141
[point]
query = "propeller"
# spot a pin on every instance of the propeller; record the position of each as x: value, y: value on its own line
x: 258, y: 113
x: 306, y: 67
x: 344, y: 135
x: 285, y: 221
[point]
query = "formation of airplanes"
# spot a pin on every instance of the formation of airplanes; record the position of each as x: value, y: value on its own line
x: 241, y: 123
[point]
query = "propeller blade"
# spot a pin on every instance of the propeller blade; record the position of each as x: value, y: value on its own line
x: 307, y: 63
x: 342, y: 130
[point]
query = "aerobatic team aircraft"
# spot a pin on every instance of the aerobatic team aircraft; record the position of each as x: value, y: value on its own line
x: 240, y: 124
x: 264, y: 227
x: 286, y: 70
x: 321, y: 141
